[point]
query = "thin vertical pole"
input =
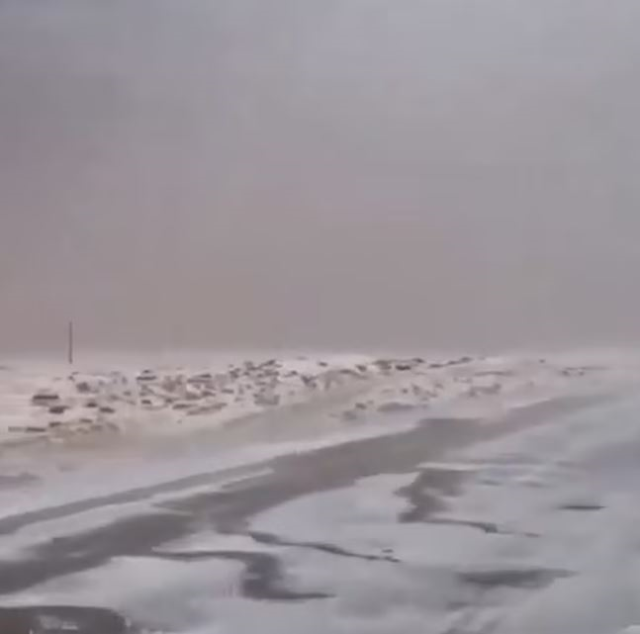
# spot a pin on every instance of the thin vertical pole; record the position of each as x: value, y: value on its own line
x: 70, y: 342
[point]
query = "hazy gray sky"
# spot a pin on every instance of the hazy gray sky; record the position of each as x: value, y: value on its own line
x: 340, y: 173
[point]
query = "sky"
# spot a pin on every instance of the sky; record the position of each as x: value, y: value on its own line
x: 319, y: 173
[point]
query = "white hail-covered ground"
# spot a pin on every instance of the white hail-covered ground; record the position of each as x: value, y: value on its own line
x: 540, y: 539
x: 58, y: 403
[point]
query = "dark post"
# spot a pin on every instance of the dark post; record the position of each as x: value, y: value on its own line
x: 70, y: 348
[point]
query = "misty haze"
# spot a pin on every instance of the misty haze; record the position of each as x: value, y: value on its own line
x: 319, y: 316
x: 343, y: 174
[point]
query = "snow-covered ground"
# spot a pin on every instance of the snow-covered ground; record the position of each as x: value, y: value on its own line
x: 315, y: 501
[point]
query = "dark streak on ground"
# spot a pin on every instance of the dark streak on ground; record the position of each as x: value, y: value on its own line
x: 273, y: 540
x: 525, y: 578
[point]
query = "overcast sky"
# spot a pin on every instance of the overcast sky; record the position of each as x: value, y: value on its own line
x: 334, y: 173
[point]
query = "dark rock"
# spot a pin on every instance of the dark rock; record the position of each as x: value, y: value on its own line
x: 83, y: 387
x: 91, y: 405
x: 58, y: 409
x: 460, y: 361
x: 146, y: 401
x: 35, y: 429
x: 200, y: 378
x: 44, y: 398
x: 147, y: 375
x: 107, y: 410
x: 54, y: 424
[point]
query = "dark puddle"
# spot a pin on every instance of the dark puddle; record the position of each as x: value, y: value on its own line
x: 532, y: 578
x: 425, y: 494
x: 62, y: 620
x: 586, y: 507
x: 263, y: 578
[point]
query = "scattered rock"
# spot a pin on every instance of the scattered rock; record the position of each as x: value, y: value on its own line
x: 54, y: 424
x: 207, y: 409
x: 389, y: 408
